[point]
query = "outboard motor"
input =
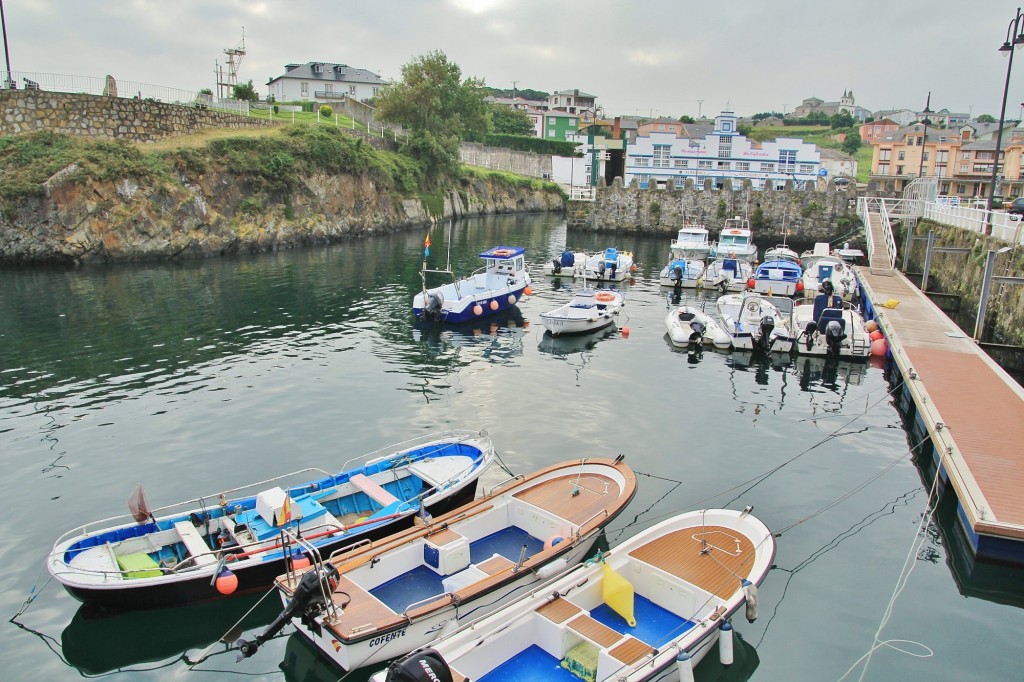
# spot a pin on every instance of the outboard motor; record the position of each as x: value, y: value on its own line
x: 833, y: 338
x: 308, y: 599
x: 677, y: 277
x: 419, y: 666
x: 432, y: 309
x: 764, y: 339
x: 809, y: 332
x: 696, y: 333
x: 556, y: 266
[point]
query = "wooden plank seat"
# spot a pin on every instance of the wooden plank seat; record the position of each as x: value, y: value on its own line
x: 558, y: 610
x: 631, y: 650
x: 194, y: 543
x: 496, y: 564
x: 373, y: 490
x: 596, y: 632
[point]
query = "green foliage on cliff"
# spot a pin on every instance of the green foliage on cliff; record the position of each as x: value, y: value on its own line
x: 513, y: 181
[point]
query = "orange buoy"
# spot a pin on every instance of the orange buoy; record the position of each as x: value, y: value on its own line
x: 494, y: 305
x: 299, y: 562
x: 799, y: 285
x: 750, y: 283
x: 511, y: 299
x: 227, y: 582
x: 625, y: 332
x: 871, y: 325
x: 879, y: 347
x: 528, y: 291
x: 604, y: 296
x: 477, y: 310
x: 875, y: 335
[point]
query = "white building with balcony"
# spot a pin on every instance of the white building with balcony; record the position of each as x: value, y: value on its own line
x: 324, y: 82
x: 723, y: 156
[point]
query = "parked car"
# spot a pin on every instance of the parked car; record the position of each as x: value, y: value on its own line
x: 1016, y: 207
x: 842, y: 183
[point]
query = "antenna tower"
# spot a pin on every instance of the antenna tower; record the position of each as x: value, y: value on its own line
x: 228, y: 79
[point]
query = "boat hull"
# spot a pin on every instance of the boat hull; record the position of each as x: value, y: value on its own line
x: 679, y: 323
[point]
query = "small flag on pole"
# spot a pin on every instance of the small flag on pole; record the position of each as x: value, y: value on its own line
x: 426, y: 246
x: 286, y: 510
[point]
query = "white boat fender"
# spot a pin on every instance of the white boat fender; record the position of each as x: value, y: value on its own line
x: 750, y: 593
x: 684, y: 667
x: 725, y: 643
x: 552, y: 569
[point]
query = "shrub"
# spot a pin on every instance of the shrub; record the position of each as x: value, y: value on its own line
x: 326, y: 111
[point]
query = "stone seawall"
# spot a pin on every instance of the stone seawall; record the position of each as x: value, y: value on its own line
x: 807, y: 215
x: 498, y: 158
x: 135, y: 120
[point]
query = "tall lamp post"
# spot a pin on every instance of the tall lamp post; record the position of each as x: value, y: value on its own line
x: 1014, y: 38
x: 9, y: 81
x: 924, y: 140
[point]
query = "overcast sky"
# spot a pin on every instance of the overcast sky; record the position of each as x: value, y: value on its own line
x: 657, y: 57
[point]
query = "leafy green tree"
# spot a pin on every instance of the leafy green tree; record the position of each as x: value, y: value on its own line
x: 851, y: 144
x: 438, y: 108
x: 686, y: 119
x: 205, y: 91
x: 245, y: 92
x: 986, y: 118
x: 767, y: 114
x: 509, y: 121
x: 744, y: 129
x: 841, y: 120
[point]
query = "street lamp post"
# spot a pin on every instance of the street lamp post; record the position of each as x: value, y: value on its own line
x: 1014, y: 38
x: 924, y: 141
x: 9, y: 81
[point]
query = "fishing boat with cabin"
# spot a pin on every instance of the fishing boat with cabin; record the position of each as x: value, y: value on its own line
x: 497, y: 286
x: 383, y: 599
x: 588, y: 311
x: 234, y: 541
x: 649, y: 609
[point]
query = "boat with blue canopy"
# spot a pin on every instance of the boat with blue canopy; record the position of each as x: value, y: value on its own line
x: 497, y: 286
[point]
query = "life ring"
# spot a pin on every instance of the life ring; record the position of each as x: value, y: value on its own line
x: 604, y: 296
x: 552, y: 541
x: 502, y: 253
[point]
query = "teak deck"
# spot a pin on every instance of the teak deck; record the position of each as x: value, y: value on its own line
x: 714, y: 565
x: 973, y: 410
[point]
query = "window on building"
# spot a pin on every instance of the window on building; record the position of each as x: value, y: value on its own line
x: 704, y: 163
x: 681, y: 163
x: 984, y: 156
x: 899, y: 170
x: 643, y: 162
x: 883, y: 169
x: 940, y: 171
x: 551, y: 133
x: 551, y: 120
x: 806, y: 168
x: 351, y: 91
x: 768, y: 167
x: 725, y: 147
x: 983, y: 168
x: 966, y: 156
x: 924, y: 156
x: 942, y: 156
x: 573, y: 122
x: 901, y: 156
x: 884, y: 154
x: 960, y: 189
x: 787, y: 160
x: 661, y: 153
x: 742, y: 165
x: 304, y: 88
x: 964, y: 167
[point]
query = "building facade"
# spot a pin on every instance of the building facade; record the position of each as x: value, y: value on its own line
x: 723, y: 156
x: 324, y: 82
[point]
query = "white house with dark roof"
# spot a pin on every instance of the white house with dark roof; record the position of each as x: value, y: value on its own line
x: 324, y: 82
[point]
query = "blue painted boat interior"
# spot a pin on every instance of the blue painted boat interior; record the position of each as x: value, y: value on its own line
x: 654, y: 625
x: 531, y: 664
x: 507, y: 542
x: 409, y: 588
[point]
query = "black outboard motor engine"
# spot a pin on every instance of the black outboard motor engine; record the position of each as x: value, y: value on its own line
x: 677, y: 278
x: 433, y: 307
x: 419, y: 666
x: 833, y: 338
x: 764, y: 339
x: 809, y: 332
x: 308, y: 599
x: 556, y: 266
x: 696, y: 333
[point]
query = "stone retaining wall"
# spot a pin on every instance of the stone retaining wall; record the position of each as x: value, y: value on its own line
x: 498, y: 158
x: 807, y: 215
x: 135, y: 120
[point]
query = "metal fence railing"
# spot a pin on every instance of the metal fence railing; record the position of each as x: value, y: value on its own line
x: 92, y: 85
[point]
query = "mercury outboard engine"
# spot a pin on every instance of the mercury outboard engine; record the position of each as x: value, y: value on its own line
x: 432, y: 307
x: 833, y: 338
x: 677, y: 278
x: 308, y: 600
x: 764, y: 339
x: 419, y: 666
x: 696, y: 332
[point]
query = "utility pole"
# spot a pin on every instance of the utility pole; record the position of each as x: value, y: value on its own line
x: 514, y: 83
x: 700, y: 103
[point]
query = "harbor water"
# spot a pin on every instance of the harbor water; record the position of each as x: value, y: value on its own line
x: 199, y: 376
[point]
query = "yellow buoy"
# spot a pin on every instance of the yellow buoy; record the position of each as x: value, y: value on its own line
x: 618, y: 594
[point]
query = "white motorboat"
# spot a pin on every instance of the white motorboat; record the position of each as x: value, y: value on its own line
x: 735, y: 241
x: 727, y: 274
x: 610, y: 265
x: 781, y: 252
x: 649, y: 609
x: 821, y: 265
x: 381, y: 600
x: 569, y: 264
x: 497, y: 286
x: 778, y: 277
x: 686, y: 273
x: 689, y: 324
x: 831, y: 327
x: 691, y: 242
x: 755, y: 322
x: 588, y: 311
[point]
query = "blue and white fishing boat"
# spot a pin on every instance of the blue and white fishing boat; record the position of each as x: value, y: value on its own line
x: 820, y: 265
x: 779, y: 277
x: 682, y: 272
x: 830, y: 327
x: 379, y: 601
x: 650, y: 608
x: 727, y: 274
x: 498, y: 285
x: 233, y: 542
x: 610, y: 265
x: 569, y: 264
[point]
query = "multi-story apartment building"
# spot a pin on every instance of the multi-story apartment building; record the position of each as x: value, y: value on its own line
x: 723, y: 155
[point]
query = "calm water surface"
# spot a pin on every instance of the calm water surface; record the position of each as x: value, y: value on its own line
x: 195, y: 377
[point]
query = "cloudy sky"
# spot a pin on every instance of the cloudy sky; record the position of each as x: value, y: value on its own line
x: 658, y: 57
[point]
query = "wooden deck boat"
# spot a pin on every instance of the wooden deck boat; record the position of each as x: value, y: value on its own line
x: 587, y: 311
x: 382, y: 600
x: 178, y: 554
x: 630, y: 615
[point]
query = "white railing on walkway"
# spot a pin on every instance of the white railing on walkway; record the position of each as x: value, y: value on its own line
x: 880, y: 207
x: 1004, y: 225
x: 92, y: 85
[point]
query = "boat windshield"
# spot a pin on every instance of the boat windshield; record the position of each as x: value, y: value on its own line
x: 733, y: 240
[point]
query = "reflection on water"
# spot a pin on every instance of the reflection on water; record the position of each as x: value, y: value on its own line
x: 97, y: 642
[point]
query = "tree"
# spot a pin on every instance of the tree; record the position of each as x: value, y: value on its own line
x: 841, y: 119
x: 686, y: 119
x: 851, y: 144
x: 205, y: 91
x: 245, y: 92
x: 509, y: 121
x: 438, y: 109
x: 767, y: 114
x: 986, y: 118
